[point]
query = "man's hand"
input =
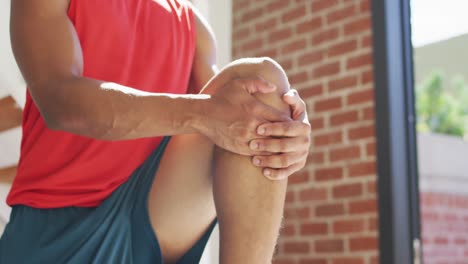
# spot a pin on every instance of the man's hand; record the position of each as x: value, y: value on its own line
x: 288, y: 141
x: 234, y: 114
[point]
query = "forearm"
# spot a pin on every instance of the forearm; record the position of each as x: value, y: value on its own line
x: 109, y: 111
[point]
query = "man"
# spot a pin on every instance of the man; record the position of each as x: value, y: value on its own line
x: 106, y: 80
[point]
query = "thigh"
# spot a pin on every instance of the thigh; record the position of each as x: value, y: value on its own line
x: 181, y: 205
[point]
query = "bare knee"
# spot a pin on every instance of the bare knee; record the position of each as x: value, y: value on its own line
x: 269, y: 70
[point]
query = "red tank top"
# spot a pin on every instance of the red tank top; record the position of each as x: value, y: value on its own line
x: 145, y: 44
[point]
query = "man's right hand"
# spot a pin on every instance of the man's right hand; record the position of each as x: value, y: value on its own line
x: 233, y: 113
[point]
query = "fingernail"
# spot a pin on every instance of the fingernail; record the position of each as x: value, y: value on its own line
x: 267, y: 172
x: 261, y: 130
x: 271, y: 85
x: 256, y: 161
x: 254, y: 145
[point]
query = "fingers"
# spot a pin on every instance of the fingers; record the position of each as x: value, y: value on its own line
x: 284, y: 129
x: 280, y: 145
x: 279, y: 161
x: 257, y: 85
x: 298, y: 106
x: 281, y: 174
x: 270, y: 113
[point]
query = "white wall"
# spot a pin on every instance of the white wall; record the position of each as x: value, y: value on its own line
x: 450, y: 56
x: 10, y: 76
x: 219, y: 15
x: 442, y: 163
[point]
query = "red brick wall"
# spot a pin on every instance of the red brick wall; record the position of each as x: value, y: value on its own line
x: 325, y: 46
x: 444, y: 218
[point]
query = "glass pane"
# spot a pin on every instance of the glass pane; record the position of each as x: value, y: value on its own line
x: 440, y: 40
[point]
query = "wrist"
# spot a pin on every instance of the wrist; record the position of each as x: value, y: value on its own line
x: 198, y: 113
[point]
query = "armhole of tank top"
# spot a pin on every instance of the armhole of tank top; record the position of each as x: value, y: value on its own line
x: 71, y: 11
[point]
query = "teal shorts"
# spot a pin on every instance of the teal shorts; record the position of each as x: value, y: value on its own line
x: 117, y: 231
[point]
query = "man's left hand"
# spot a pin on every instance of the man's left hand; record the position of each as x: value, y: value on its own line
x: 289, y: 141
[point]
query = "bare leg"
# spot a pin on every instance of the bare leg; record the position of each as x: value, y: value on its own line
x: 249, y: 206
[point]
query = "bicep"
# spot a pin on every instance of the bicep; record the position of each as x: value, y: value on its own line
x: 204, y: 63
x: 45, y: 44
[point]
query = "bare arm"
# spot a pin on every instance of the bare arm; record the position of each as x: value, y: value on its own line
x: 49, y: 55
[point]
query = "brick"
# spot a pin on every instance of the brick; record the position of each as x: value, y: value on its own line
x: 283, y: 261
x: 328, y: 104
x: 296, y: 247
x: 319, y: 5
x: 348, y: 260
x: 328, y: 69
x: 314, y: 229
x: 311, y: 57
x: 279, y: 35
x: 362, y: 169
x: 330, y: 138
x: 441, y: 241
x: 272, y: 53
x: 299, y: 177
x: 242, y: 33
x: 365, y: 243
x: 359, y: 61
x: 348, y: 226
x: 327, y: 174
x: 366, y: 41
x: 290, y: 196
x: 361, y: 132
x: 252, y: 14
x: 340, y: 119
x: 299, y: 77
x: 461, y: 241
x: 342, y: 83
x: 294, y: 46
x: 313, y: 260
x: 370, y: 149
x: 329, y: 245
x: 347, y: 190
x: 360, y: 97
x: 310, y: 25
x: 345, y: 153
x: 361, y: 207
x: 317, y: 123
x: 297, y: 213
x: 254, y: 44
x: 285, y: 63
x: 367, y: 77
x: 341, y: 14
x: 325, y: 35
x: 277, y: 5
x: 311, y: 91
x: 364, y: 6
x: 294, y: 14
x: 368, y: 113
x: 371, y: 187
x: 266, y: 25
x: 333, y: 209
x: 357, y: 26
x: 313, y: 194
x: 288, y: 230
x: 342, y: 48
x: 373, y: 224
x: 240, y: 4
x: 316, y: 157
